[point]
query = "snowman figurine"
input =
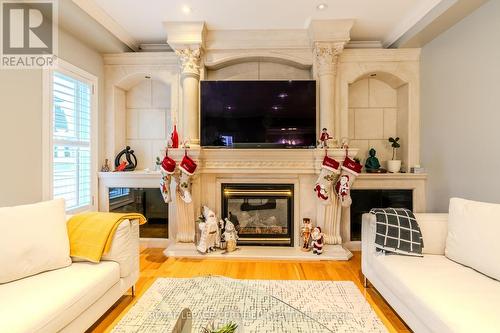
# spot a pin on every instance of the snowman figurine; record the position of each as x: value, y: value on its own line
x: 230, y: 236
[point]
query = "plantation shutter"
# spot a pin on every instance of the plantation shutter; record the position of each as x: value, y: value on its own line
x: 72, y: 110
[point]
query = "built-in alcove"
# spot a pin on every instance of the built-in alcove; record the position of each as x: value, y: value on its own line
x: 377, y: 110
x: 142, y: 110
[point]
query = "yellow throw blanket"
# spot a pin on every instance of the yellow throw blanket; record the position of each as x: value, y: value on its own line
x: 90, y: 234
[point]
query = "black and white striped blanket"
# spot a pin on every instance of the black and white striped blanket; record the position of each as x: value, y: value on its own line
x: 397, y: 231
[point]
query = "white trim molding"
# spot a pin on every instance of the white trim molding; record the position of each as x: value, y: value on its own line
x: 47, y: 118
x: 104, y: 19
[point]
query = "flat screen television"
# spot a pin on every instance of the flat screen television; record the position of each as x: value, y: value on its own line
x: 258, y: 114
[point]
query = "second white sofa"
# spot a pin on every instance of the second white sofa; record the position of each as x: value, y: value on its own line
x: 433, y: 293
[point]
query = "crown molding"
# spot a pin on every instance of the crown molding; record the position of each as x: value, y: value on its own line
x: 147, y: 47
x: 141, y: 58
x: 361, y: 44
x: 181, y: 35
x: 417, y: 19
x: 438, y: 20
x: 330, y: 30
x: 98, y: 14
x: 380, y: 55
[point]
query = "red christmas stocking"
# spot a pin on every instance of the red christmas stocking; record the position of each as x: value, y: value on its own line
x: 350, y: 170
x: 167, y: 168
x: 188, y: 167
x: 327, y: 177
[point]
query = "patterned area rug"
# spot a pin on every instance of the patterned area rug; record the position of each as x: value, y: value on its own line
x: 259, y: 306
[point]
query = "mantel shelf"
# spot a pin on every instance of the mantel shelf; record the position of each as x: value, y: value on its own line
x: 143, y: 174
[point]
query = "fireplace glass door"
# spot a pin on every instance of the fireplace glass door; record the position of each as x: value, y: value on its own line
x: 263, y: 213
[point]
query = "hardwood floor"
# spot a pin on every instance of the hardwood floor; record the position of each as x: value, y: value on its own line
x: 154, y: 264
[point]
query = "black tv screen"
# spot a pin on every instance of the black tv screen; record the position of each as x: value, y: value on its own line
x: 258, y: 114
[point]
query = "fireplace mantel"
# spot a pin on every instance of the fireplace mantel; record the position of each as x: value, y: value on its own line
x: 295, y: 166
x: 261, y: 161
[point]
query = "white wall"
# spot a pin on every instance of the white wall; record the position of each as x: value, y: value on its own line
x: 21, y: 122
x: 461, y: 110
x: 20, y: 136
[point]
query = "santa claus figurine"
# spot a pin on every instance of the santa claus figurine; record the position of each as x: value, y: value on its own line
x: 209, y: 228
x: 317, y: 240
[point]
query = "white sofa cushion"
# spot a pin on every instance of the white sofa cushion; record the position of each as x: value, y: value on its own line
x: 49, y: 301
x: 33, y: 239
x: 451, y: 297
x: 434, y: 228
x: 473, y: 229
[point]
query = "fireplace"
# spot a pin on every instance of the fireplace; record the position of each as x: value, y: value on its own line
x: 263, y: 213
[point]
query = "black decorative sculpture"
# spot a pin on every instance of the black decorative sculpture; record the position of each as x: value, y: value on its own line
x: 131, y: 160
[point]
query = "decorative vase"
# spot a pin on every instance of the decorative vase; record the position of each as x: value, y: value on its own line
x: 394, y: 166
x: 175, y: 138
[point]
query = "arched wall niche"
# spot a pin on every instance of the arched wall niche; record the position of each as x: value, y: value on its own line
x: 377, y: 111
x: 141, y: 108
x: 377, y: 100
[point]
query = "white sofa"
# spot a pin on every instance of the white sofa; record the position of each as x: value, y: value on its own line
x: 72, y: 298
x: 433, y: 293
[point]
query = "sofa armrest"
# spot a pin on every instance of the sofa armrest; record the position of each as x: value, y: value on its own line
x: 125, y: 248
x: 368, y: 251
x: 368, y: 227
x: 434, y: 228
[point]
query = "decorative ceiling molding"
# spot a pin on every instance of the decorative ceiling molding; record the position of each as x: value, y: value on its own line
x: 98, y: 14
x: 410, y: 21
x: 380, y: 55
x: 438, y: 20
x: 330, y: 30
x: 256, y: 39
x: 148, y: 47
x: 369, y: 44
x: 181, y: 35
x: 141, y: 58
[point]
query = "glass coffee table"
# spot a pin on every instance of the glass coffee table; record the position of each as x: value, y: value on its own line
x: 190, y: 305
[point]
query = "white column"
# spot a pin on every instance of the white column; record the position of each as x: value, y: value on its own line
x: 190, y: 70
x: 326, y: 56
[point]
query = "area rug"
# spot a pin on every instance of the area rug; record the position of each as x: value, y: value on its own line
x: 260, y: 306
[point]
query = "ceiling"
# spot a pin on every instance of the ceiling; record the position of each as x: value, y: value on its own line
x: 375, y: 20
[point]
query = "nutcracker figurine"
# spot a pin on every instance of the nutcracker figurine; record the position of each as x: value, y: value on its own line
x: 306, y: 234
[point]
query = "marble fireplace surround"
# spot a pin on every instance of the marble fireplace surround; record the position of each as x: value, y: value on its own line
x: 298, y: 167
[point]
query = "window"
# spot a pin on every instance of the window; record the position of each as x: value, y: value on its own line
x: 72, y: 139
